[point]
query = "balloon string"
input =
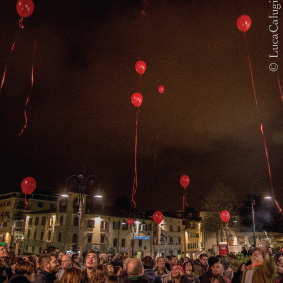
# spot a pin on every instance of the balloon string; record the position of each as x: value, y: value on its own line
x: 21, y: 22
x: 26, y: 201
x: 135, y: 184
x: 144, y: 8
x: 261, y: 127
x: 280, y: 89
x: 31, y: 87
x: 5, y: 70
x: 252, y: 78
x: 269, y: 170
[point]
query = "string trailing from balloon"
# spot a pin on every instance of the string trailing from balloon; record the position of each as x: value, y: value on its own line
x: 244, y: 24
x: 280, y: 89
x: 144, y: 8
x: 30, y: 91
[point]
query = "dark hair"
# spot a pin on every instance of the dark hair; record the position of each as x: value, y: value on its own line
x: 51, y: 249
x: 24, y: 267
x: 46, y: 258
x: 203, y: 255
x: 99, y: 274
x: 91, y: 252
x: 168, y: 257
x: 71, y: 275
x: 188, y: 262
x: 219, y: 278
x: 112, y: 279
x: 148, y: 262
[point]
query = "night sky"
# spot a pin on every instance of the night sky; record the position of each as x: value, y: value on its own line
x: 205, y: 124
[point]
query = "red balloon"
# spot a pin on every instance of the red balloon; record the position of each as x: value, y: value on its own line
x: 184, y: 180
x: 244, y: 23
x: 137, y: 99
x: 25, y: 8
x: 157, y: 217
x: 161, y: 89
x: 140, y: 67
x: 225, y: 216
x: 131, y: 221
x: 28, y: 185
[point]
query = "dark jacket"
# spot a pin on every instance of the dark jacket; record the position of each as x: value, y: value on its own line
x: 205, y: 278
x: 151, y: 276
x: 44, y: 277
x: 16, y: 278
x: 136, y: 279
x: 5, y: 272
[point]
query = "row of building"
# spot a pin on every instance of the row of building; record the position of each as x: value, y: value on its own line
x: 31, y: 225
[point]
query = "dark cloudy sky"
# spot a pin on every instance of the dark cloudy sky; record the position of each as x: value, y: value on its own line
x: 80, y: 112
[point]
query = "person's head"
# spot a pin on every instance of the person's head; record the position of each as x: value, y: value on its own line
x: 270, y: 250
x: 280, y: 258
x: 75, y: 258
x: 25, y: 268
x: 103, y: 258
x: 217, y: 279
x: 110, y: 257
x: 257, y: 256
x: 188, y: 267
x: 186, y: 259
x: 34, y: 260
x: 243, y: 248
x: 60, y: 255
x: 174, y: 260
x: 242, y: 267
x: 110, y: 268
x: 66, y: 261
x: 91, y: 260
x: 175, y: 271
x: 203, y: 258
x: 126, y: 255
x: 217, y: 269
x: 134, y: 267
x: 112, y: 279
x: 168, y: 259
x: 100, y: 273
x: 160, y: 263
x: 51, y: 249
x: 212, y: 260
x: 3, y: 252
x: 71, y: 275
x: 125, y: 263
x: 147, y: 262
x: 48, y: 262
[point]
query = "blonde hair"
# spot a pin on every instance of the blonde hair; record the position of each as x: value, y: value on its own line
x: 71, y: 275
x: 99, y: 274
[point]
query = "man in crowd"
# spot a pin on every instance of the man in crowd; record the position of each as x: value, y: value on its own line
x: 5, y: 270
x: 261, y: 269
x: 103, y: 259
x: 135, y: 272
x: 201, y: 265
x: 149, y: 273
x: 161, y: 271
x: 65, y: 264
x: 90, y: 263
x: 205, y: 278
x: 168, y: 262
x: 48, y: 267
x: 174, y: 260
x: 218, y: 269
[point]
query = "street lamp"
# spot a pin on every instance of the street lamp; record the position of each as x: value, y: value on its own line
x: 80, y: 182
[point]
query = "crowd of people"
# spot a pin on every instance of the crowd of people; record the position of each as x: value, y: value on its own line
x: 56, y: 267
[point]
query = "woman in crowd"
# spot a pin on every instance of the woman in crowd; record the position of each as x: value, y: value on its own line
x: 239, y: 274
x: 110, y: 269
x: 177, y: 276
x: 188, y: 271
x: 24, y: 273
x: 100, y: 274
x: 217, y: 279
x: 71, y: 275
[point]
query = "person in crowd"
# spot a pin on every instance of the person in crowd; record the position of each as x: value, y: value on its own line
x: 71, y: 275
x: 161, y: 271
x: 24, y: 273
x: 186, y: 259
x: 168, y: 262
x: 52, y: 249
x: 99, y: 276
x: 239, y: 274
x: 189, y: 271
x: 250, y: 251
x: 217, y: 279
x: 48, y: 267
x: 149, y: 273
x: 112, y: 279
x: 227, y: 269
x: 126, y: 255
x: 110, y: 269
x: 201, y: 265
x: 103, y: 259
x: 110, y: 257
x: 174, y: 260
x: 5, y: 270
x: 244, y: 251
x: 122, y: 271
x: 34, y: 260
x: 90, y: 263
x: 135, y: 272
x: 65, y: 264
x: 177, y: 276
x: 218, y: 269
x: 279, y: 266
x: 205, y: 278
x: 270, y: 251
x: 76, y: 260
x: 59, y: 258
x: 261, y: 269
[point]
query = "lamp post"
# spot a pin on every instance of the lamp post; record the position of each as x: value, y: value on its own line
x: 80, y: 182
x: 253, y: 217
